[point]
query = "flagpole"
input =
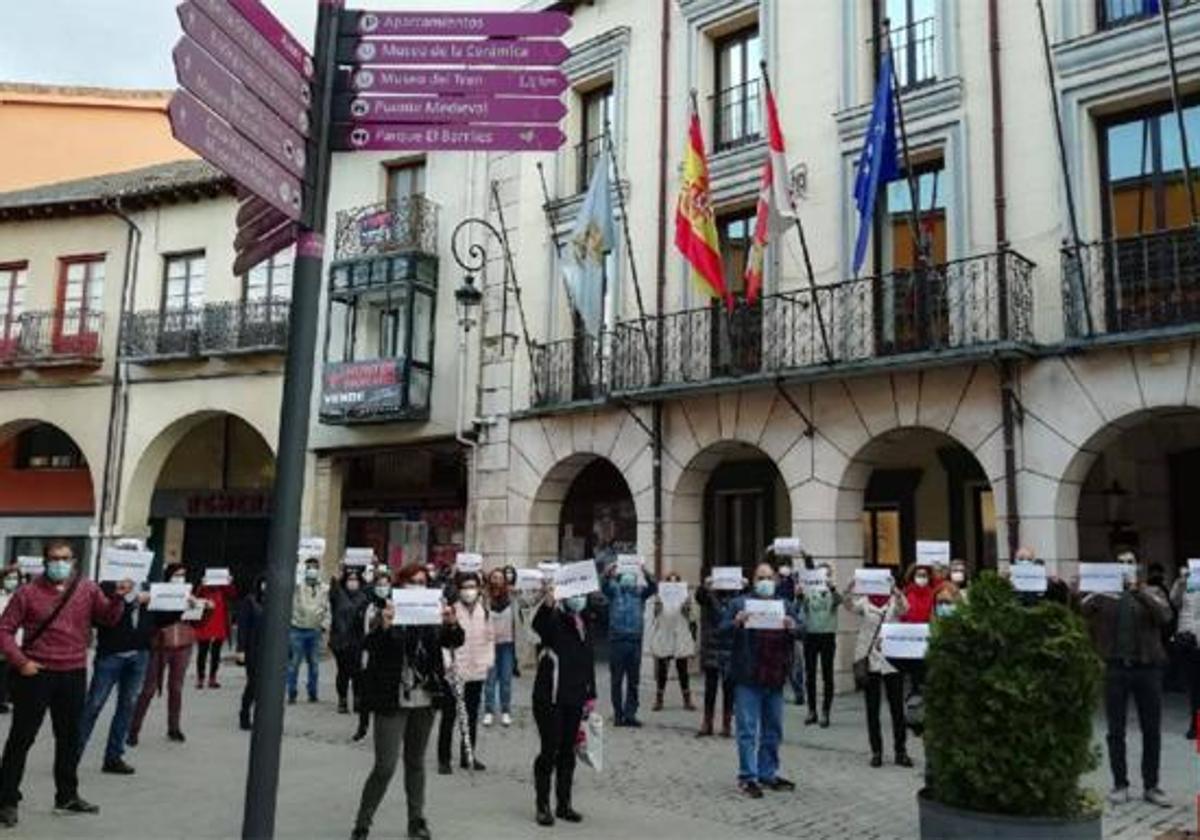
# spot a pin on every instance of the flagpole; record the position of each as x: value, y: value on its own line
x: 812, y: 281
x: 1164, y: 7
x: 633, y: 272
x: 923, y: 257
x: 510, y: 275
x: 1062, y: 159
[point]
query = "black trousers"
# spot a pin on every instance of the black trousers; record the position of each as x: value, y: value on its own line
x: 713, y: 678
x: 1144, y: 683
x: 1191, y: 671
x: 4, y: 672
x: 893, y: 686
x: 557, y: 727
x: 251, y: 684
x: 663, y: 666
x: 819, y: 646
x: 472, y: 696
x: 62, y: 693
x: 349, y: 673
x: 205, y: 650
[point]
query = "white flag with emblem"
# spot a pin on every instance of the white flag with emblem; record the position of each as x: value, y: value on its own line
x: 587, y: 248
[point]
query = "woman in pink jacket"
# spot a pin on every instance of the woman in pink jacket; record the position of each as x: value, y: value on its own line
x: 467, y: 669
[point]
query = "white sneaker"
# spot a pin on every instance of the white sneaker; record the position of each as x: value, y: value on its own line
x: 506, y: 719
x: 1119, y: 795
x: 487, y: 719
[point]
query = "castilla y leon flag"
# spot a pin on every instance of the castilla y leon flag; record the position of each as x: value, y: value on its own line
x: 775, y: 195
x: 695, y: 222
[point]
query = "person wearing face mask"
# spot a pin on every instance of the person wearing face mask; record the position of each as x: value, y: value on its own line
x: 471, y: 662
x: 11, y: 580
x: 55, y: 614
x: 212, y: 631
x: 510, y: 579
x: 760, y: 664
x: 820, y: 605
x: 565, y: 683
x: 122, y: 656
x: 958, y: 576
x: 946, y: 600
x: 1126, y: 629
x: 403, y: 683
x: 882, y: 676
x: 1185, y: 598
x: 248, y: 624
x: 379, y: 596
x: 171, y: 650
x: 347, y: 603
x: 918, y: 592
x: 627, y: 596
x: 716, y: 650
x: 504, y: 634
x: 310, y: 615
x: 671, y: 640
x: 787, y: 591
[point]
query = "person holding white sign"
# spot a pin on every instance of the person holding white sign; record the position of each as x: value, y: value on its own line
x: 1126, y: 628
x: 213, y: 629
x: 716, y: 651
x: 310, y: 616
x: 669, y: 616
x: 171, y: 650
x: 627, y: 598
x: 404, y: 682
x: 347, y: 603
x: 875, y: 675
x: 471, y: 663
x: 760, y: 664
x: 1185, y: 598
x: 497, y: 691
x: 820, y: 600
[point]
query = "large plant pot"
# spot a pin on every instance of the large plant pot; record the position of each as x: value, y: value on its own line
x: 941, y: 822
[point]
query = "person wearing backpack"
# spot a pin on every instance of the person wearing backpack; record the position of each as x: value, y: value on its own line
x: 56, y: 613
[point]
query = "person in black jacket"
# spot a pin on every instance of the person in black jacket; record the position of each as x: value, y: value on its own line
x: 565, y: 682
x: 403, y: 682
x: 122, y: 655
x: 248, y: 620
x: 347, y: 603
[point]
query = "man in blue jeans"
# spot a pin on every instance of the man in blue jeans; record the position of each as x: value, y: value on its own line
x: 310, y: 615
x: 122, y: 654
x: 760, y: 664
x: 627, y: 598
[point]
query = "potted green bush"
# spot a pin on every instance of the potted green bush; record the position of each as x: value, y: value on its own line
x: 1009, y: 696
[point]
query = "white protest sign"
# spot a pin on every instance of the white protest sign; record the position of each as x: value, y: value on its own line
x: 1028, y: 577
x: 1101, y: 577
x: 727, y: 578
x: 873, y: 581
x: 548, y: 568
x: 359, y: 557
x: 466, y: 561
x: 630, y: 561
x: 764, y: 614
x: 132, y: 543
x: 217, y: 577
x: 311, y: 547
x: 815, y: 579
x: 933, y: 553
x: 530, y: 580
x: 1193, y: 575
x: 673, y: 594
x: 417, y: 606
x: 125, y: 564
x: 196, y: 612
x: 169, y: 597
x: 30, y: 565
x: 787, y: 547
x: 904, y: 641
x: 575, y: 579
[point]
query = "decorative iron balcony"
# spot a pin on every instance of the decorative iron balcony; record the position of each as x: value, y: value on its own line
x: 910, y: 316
x: 914, y: 52
x: 1111, y: 14
x: 737, y: 116
x: 388, y: 227
x: 217, y: 329
x: 35, y: 339
x: 1132, y: 284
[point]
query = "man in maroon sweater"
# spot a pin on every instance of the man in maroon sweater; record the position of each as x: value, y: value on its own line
x: 50, y: 673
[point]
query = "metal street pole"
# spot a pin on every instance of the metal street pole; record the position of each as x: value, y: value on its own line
x: 262, y: 778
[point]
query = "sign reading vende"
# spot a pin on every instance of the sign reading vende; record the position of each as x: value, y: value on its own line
x: 361, y: 386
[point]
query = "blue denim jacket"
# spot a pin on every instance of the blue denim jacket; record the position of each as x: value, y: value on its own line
x: 626, y: 608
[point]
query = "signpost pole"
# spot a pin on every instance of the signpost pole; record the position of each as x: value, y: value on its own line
x: 262, y: 778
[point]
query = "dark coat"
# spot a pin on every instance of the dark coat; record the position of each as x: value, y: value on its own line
x: 346, y: 608
x: 391, y: 649
x: 761, y: 658
x: 566, y: 674
x: 716, y: 645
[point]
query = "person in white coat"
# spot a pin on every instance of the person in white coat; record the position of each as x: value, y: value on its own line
x: 881, y: 678
x: 669, y: 630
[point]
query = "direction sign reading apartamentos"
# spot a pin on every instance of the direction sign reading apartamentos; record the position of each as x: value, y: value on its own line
x: 456, y: 24
x: 460, y: 138
x: 449, y: 109
x: 421, y: 80
x: 501, y: 52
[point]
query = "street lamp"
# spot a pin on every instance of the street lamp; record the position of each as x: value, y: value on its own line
x: 467, y: 299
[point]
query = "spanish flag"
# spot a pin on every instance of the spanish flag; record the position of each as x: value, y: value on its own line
x: 695, y: 222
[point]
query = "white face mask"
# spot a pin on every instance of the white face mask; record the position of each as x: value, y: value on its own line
x: 469, y: 596
x: 921, y: 580
x: 957, y: 577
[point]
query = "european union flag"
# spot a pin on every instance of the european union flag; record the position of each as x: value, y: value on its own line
x: 1150, y: 7
x: 877, y: 164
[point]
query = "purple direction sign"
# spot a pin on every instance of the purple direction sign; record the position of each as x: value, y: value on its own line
x: 234, y: 59
x: 276, y: 34
x: 449, y: 109
x: 209, y: 136
x: 444, y: 51
x: 256, y: 228
x: 421, y: 80
x: 233, y: 24
x: 266, y: 247
x: 251, y: 206
x: 456, y: 24
x: 464, y: 138
x: 215, y: 87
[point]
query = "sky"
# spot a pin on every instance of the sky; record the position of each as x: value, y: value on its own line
x: 127, y: 43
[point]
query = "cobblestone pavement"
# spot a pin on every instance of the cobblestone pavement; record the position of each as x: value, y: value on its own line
x: 660, y: 782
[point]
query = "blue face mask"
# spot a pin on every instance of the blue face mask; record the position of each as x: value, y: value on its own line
x: 944, y: 609
x: 764, y: 588
x: 58, y: 570
x: 628, y: 580
x: 576, y: 603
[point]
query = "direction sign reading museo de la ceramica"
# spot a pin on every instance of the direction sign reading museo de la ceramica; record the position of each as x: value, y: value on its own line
x: 396, y: 99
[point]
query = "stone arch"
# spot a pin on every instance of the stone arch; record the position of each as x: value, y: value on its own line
x: 89, y: 440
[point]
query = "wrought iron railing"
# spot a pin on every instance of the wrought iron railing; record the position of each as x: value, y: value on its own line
x: 53, y: 337
x: 387, y: 227
x: 737, y: 115
x: 1113, y: 13
x: 977, y: 302
x: 914, y: 52
x: 1134, y: 283
x: 213, y: 330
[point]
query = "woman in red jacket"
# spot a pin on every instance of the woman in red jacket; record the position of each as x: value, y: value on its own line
x: 212, y: 631
x: 919, y: 592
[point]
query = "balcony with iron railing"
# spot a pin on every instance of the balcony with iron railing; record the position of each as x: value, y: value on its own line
x: 216, y: 329
x: 968, y: 308
x: 737, y: 116
x: 1132, y: 286
x: 914, y: 52
x: 404, y: 225
x: 1112, y: 14
x: 53, y: 338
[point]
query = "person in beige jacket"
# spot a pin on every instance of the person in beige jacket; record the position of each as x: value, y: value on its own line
x: 669, y: 633
x: 470, y: 665
x: 310, y: 616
